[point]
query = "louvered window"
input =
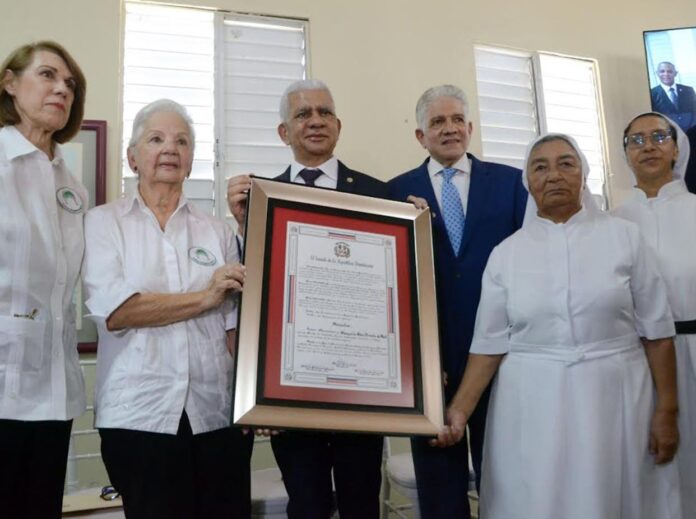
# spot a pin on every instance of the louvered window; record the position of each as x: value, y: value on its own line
x: 229, y: 71
x: 524, y: 94
x: 569, y: 92
x: 507, y: 104
x: 259, y: 58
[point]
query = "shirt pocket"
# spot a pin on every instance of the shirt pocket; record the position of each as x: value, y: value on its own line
x: 22, y: 343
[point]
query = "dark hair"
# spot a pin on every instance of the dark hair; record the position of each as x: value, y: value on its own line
x: 18, y: 61
x: 672, y: 129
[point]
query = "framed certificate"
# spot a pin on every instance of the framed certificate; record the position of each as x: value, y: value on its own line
x: 338, y: 321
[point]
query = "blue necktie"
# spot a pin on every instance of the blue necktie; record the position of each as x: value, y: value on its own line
x: 452, y: 209
x: 673, y: 97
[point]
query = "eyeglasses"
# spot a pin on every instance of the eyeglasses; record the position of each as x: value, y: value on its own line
x: 638, y: 140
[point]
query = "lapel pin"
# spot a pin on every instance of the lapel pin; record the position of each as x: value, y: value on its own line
x: 349, y: 180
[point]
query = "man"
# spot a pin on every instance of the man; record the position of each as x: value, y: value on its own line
x: 310, y: 127
x: 475, y: 205
x: 676, y: 101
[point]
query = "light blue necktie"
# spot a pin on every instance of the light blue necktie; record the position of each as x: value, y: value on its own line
x: 452, y: 209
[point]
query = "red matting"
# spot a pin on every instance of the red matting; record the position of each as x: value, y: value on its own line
x: 275, y: 297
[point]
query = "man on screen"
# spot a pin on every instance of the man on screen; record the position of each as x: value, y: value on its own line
x: 306, y: 459
x: 676, y: 101
x: 474, y: 206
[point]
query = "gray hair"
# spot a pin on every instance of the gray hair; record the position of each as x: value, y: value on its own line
x: 159, y: 106
x: 434, y: 93
x: 298, y: 86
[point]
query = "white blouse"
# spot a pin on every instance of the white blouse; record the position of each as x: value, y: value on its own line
x: 668, y: 223
x: 41, y: 216
x: 147, y: 376
x: 587, y: 285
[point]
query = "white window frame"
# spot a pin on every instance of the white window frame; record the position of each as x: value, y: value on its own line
x: 221, y: 176
x: 538, y: 101
x: 209, y: 191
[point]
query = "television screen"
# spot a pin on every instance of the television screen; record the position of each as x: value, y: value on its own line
x: 670, y: 56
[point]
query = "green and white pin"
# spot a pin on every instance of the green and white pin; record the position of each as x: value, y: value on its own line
x: 69, y: 200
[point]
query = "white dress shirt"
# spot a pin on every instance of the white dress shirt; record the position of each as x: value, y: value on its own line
x: 461, y: 179
x: 41, y: 215
x: 328, y: 180
x: 147, y: 376
x: 666, y: 89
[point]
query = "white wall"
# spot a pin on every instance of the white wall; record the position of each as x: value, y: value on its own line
x: 378, y: 56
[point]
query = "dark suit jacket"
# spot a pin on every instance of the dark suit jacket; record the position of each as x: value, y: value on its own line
x: 685, y: 113
x: 690, y: 177
x: 350, y: 181
x: 495, y: 210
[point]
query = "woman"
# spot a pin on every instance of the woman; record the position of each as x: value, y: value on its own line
x: 572, y: 429
x: 160, y: 275
x: 657, y: 151
x: 42, y: 96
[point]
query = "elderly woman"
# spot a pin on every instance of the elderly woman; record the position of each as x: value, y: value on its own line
x: 160, y: 276
x: 573, y: 430
x: 42, y: 96
x: 657, y: 151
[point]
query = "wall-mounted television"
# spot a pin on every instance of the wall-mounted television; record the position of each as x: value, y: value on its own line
x: 670, y: 57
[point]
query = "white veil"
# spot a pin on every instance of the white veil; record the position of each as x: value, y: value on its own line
x: 679, y: 169
x: 587, y: 200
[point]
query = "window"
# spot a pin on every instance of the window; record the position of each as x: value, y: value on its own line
x: 259, y: 58
x: 229, y: 70
x: 525, y: 94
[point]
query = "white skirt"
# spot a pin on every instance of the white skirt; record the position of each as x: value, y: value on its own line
x: 569, y: 440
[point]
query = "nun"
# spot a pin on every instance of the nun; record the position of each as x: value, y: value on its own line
x: 574, y: 320
x: 657, y: 151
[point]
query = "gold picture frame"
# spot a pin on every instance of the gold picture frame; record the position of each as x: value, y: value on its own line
x: 262, y: 397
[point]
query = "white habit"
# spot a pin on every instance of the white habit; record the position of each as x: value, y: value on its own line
x: 668, y: 224
x: 568, y: 422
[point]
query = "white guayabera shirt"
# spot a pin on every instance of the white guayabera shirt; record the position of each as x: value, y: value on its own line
x: 41, y: 215
x: 147, y: 376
